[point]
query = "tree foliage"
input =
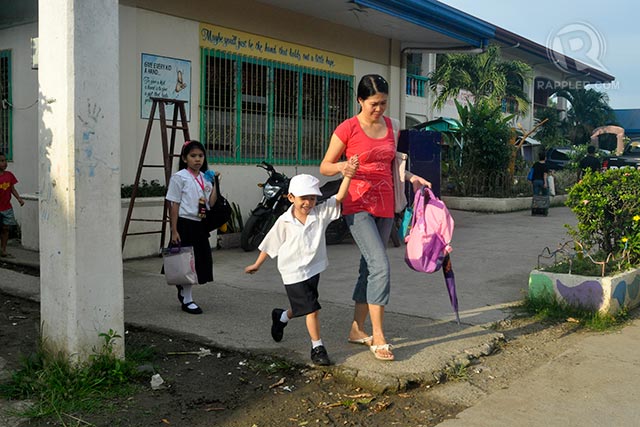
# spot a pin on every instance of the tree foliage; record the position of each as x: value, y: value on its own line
x: 486, y: 76
x: 589, y: 110
x: 552, y: 132
x: 486, y: 133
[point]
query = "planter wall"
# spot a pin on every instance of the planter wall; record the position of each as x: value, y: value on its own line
x: 604, y: 294
x: 491, y: 204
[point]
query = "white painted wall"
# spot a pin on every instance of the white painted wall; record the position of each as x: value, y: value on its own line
x: 24, y: 82
x: 144, y: 31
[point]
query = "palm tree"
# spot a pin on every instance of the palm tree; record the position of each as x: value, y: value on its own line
x: 485, y: 75
x: 589, y: 110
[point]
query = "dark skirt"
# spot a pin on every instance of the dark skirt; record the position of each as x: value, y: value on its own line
x: 194, y: 233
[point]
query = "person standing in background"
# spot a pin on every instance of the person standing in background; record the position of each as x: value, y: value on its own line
x: 7, y: 218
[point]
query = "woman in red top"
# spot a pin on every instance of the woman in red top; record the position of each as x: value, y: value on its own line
x: 369, y: 205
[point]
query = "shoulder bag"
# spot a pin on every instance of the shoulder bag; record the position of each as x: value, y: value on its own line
x: 398, y: 169
x: 220, y: 212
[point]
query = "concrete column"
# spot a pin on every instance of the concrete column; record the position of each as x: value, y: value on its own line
x: 79, y: 169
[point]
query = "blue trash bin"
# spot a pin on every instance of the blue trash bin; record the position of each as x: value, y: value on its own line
x: 423, y: 148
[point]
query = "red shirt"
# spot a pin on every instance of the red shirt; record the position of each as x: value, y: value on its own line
x: 7, y: 181
x: 371, y: 189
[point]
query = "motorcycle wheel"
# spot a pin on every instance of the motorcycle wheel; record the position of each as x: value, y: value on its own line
x: 256, y: 227
x: 336, y: 232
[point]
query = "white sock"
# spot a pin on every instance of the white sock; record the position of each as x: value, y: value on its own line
x: 315, y: 344
x: 186, y: 294
x: 283, y: 317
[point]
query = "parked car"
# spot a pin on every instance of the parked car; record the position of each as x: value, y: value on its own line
x: 559, y: 157
x: 630, y: 157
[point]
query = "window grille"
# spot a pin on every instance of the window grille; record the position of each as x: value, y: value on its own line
x: 5, y: 103
x: 254, y: 109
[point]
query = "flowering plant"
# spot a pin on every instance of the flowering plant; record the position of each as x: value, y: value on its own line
x: 607, y: 207
x: 630, y: 243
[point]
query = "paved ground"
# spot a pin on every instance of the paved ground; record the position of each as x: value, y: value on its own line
x: 591, y: 384
x: 492, y: 257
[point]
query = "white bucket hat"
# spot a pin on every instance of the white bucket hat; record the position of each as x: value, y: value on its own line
x: 304, y: 185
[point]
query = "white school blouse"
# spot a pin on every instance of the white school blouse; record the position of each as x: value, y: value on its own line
x: 184, y: 189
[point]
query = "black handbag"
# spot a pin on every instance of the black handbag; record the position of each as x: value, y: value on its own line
x: 220, y: 212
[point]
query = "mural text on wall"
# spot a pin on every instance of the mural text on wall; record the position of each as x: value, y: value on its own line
x: 214, y: 37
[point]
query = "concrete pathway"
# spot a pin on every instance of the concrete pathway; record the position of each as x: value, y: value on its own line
x: 492, y: 257
x: 594, y: 383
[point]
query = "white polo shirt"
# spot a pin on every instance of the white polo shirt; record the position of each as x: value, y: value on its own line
x: 184, y: 189
x: 301, y: 248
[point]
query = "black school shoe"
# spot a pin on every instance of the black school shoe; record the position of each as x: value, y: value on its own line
x: 196, y: 310
x: 277, y: 327
x: 319, y: 356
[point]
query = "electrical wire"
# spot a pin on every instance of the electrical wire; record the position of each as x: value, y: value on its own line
x: 6, y: 103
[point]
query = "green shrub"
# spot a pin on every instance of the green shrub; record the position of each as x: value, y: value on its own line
x: 486, y: 133
x: 145, y: 189
x: 607, y: 207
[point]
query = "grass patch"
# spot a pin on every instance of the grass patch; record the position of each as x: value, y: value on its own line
x: 270, y: 365
x: 57, y: 387
x: 547, y: 308
x: 456, y: 372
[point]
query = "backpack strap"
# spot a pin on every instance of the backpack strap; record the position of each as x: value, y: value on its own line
x: 395, y: 128
x: 418, y: 209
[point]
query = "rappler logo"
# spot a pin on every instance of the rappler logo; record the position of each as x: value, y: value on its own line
x: 580, y: 41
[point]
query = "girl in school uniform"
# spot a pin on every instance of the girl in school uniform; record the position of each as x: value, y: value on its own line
x: 191, y: 193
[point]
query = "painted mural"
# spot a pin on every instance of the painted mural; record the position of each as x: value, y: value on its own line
x: 604, y: 294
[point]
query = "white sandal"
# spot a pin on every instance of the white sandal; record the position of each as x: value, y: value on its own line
x: 363, y: 341
x: 374, y: 349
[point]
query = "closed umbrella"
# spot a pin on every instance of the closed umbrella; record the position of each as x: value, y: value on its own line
x: 450, y: 282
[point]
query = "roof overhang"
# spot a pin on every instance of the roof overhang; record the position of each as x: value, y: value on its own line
x: 425, y: 24
x: 13, y: 13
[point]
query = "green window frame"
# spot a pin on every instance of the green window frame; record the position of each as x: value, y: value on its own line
x: 253, y: 109
x: 6, y: 121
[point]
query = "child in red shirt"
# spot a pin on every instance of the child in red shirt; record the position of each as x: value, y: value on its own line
x: 7, y: 219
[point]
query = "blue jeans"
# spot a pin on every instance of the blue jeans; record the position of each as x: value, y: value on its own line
x: 538, y: 188
x: 371, y: 234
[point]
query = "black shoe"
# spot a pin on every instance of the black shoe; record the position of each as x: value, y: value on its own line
x: 277, y: 327
x: 196, y: 310
x: 180, y: 297
x: 319, y: 356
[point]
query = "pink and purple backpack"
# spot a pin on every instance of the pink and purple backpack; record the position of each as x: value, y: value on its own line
x: 430, y: 233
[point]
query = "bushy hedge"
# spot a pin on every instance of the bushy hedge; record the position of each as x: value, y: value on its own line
x: 145, y: 189
x: 607, y: 207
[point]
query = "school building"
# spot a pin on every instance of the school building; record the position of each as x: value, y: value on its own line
x: 262, y: 80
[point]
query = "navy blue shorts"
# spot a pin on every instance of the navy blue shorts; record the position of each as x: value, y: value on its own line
x: 303, y: 296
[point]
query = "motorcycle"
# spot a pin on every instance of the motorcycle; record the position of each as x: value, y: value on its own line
x: 338, y: 230
x: 274, y: 203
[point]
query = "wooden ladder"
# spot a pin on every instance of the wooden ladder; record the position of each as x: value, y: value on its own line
x: 179, y: 122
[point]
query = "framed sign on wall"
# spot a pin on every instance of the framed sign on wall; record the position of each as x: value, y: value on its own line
x: 164, y: 77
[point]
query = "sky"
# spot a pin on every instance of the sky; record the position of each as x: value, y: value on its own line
x: 610, y: 31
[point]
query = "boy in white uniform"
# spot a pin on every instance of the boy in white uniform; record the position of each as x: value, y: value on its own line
x: 298, y: 240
